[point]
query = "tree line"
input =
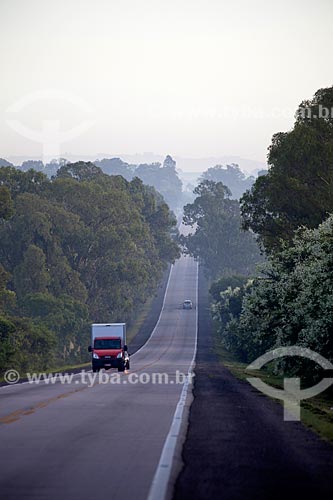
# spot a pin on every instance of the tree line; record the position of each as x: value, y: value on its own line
x: 288, y: 301
x: 162, y: 176
x: 82, y: 247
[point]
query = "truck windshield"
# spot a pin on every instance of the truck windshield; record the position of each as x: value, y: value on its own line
x: 107, y: 344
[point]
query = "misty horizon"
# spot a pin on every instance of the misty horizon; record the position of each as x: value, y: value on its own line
x: 186, y: 165
x: 191, y: 79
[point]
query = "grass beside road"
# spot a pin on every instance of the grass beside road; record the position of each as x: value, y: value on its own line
x: 68, y: 368
x: 142, y: 314
x: 316, y: 413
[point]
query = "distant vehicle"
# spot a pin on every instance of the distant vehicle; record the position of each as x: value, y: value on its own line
x: 187, y: 304
x: 108, y: 346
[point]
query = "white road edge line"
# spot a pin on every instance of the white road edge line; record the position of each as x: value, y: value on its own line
x: 152, y: 333
x: 160, y: 483
x: 163, y: 303
x: 160, y: 315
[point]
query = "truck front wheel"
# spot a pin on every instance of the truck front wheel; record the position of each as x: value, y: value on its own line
x: 121, y: 366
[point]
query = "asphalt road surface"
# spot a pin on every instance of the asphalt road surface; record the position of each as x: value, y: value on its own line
x: 238, y: 446
x: 75, y: 442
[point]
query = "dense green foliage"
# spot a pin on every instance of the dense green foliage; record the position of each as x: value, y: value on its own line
x: 231, y: 176
x: 116, y: 166
x: 83, y: 247
x: 222, y: 284
x: 227, y: 310
x: 298, y: 189
x: 163, y: 177
x: 6, y: 203
x: 50, y: 169
x: 291, y: 302
x: 218, y: 238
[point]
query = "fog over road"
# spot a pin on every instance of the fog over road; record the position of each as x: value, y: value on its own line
x: 74, y: 442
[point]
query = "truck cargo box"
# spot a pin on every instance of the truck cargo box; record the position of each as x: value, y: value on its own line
x: 109, y: 330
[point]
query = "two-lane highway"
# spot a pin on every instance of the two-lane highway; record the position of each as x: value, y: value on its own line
x: 75, y: 442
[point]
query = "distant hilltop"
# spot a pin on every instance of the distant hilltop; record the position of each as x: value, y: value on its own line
x: 176, y: 183
x: 185, y: 164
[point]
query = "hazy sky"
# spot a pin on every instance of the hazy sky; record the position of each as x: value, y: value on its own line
x: 192, y: 78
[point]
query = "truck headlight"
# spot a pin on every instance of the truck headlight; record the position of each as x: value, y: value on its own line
x: 95, y: 356
x: 120, y: 355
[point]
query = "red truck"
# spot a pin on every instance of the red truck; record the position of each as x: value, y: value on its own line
x: 108, y: 346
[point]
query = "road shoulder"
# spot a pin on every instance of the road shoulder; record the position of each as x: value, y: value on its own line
x: 238, y: 445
